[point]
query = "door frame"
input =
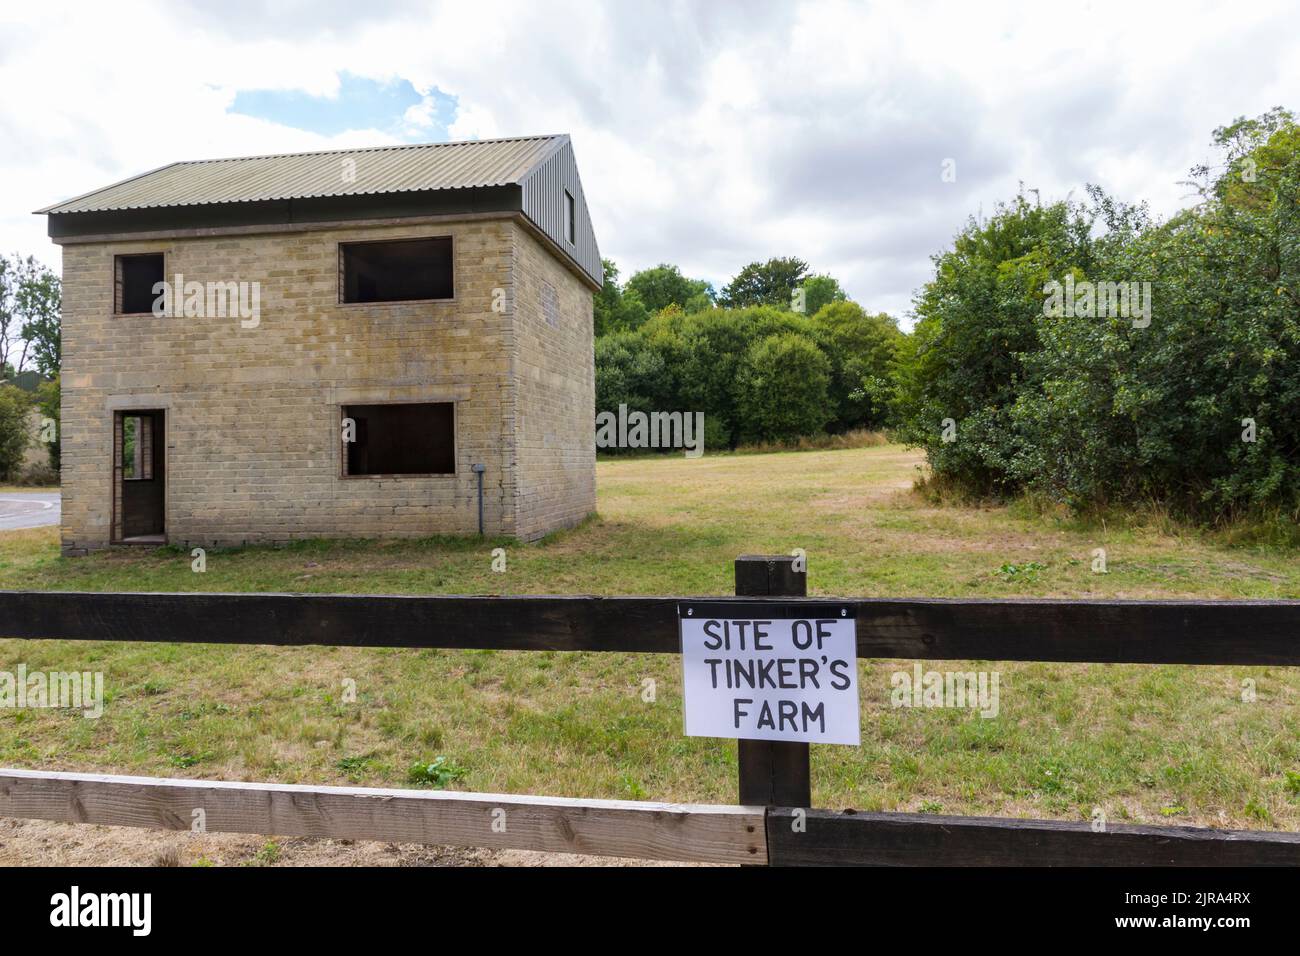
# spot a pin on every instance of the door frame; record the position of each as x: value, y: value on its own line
x: 116, y: 482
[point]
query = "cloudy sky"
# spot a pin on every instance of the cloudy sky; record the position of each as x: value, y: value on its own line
x: 708, y: 133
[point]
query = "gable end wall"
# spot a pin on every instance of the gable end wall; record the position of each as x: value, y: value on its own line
x: 555, y: 376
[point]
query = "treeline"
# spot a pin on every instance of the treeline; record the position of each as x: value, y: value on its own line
x: 1027, y: 372
x: 1080, y: 350
x: 778, y: 354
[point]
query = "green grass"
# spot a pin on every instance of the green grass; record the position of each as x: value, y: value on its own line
x: 1152, y: 744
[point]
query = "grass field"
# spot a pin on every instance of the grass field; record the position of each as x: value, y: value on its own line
x: 1151, y: 744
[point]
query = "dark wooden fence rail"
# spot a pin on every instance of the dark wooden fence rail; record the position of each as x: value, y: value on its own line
x: 846, y: 838
x: 1103, y: 632
x: 773, y: 822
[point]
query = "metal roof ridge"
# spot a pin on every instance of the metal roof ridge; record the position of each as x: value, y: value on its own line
x: 362, y: 149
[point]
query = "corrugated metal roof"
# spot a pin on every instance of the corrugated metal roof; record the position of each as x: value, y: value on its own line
x: 381, y: 169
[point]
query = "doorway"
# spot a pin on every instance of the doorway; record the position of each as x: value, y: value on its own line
x: 139, y: 477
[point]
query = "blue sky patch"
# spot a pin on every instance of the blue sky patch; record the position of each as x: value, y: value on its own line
x: 361, y: 103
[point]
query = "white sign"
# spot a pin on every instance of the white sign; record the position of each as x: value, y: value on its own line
x: 768, y: 677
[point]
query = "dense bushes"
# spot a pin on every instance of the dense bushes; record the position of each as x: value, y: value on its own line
x: 1195, y: 404
x: 783, y: 389
x: 757, y: 374
x: 48, y: 401
x: 15, y: 430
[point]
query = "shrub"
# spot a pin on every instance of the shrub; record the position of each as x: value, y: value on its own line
x: 861, y: 348
x: 1195, y: 406
x: 783, y: 389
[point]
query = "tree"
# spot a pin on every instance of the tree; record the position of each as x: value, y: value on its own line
x: 29, y: 316
x: 977, y: 319
x: 765, y: 283
x: 613, y: 310
x: 13, y: 351
x: 606, y: 302
x: 862, y: 349
x: 819, y: 291
x: 48, y: 401
x: 706, y: 362
x: 783, y: 388
x: 39, y: 301
x: 15, y: 433
x: 626, y: 373
x: 664, y: 285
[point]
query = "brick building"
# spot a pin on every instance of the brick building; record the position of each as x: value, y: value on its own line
x: 342, y: 345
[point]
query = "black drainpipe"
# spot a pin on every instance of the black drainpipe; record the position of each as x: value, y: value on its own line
x: 478, y: 470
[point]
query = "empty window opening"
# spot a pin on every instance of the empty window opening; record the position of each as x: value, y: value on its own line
x: 135, y: 278
x: 399, y: 271
x: 409, y: 439
x: 570, y: 217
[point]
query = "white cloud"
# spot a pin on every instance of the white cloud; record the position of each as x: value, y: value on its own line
x: 709, y: 134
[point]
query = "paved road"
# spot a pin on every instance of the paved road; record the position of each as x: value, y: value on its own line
x: 28, y: 509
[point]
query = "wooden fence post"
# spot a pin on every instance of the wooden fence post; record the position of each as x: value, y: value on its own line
x: 772, y: 773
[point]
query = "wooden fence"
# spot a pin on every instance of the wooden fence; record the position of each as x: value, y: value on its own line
x: 773, y: 821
